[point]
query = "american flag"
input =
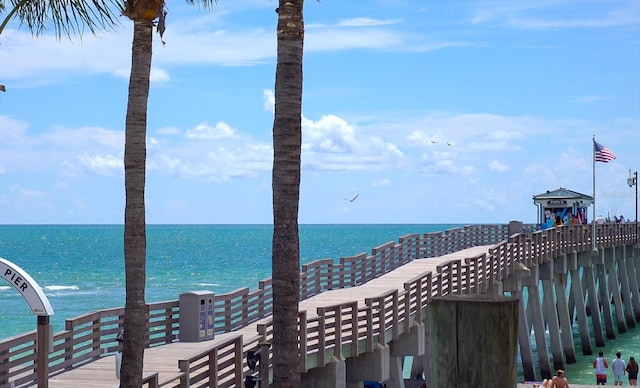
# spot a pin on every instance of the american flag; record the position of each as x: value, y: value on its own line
x: 602, y: 153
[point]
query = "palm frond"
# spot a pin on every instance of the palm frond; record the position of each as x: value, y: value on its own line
x: 66, y: 17
x: 206, y: 4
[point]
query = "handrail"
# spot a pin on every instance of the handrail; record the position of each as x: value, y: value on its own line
x: 227, y: 353
x: 92, y: 335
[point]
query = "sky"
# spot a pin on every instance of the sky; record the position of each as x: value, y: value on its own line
x: 443, y: 111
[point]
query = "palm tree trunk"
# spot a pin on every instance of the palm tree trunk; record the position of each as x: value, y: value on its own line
x: 287, y: 144
x: 135, y: 238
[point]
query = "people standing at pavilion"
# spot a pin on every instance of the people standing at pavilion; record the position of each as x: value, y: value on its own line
x: 557, y: 222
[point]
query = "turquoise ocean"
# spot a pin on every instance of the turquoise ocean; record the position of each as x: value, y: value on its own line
x: 81, y: 268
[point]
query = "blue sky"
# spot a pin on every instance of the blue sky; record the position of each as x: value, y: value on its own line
x: 517, y: 89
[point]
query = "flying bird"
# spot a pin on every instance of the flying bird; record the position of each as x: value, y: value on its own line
x: 352, y: 199
x: 433, y: 142
x: 449, y: 144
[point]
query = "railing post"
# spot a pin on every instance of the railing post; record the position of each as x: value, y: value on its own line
x: 183, y: 365
x: 407, y: 323
x: 239, y: 360
x: 354, y: 329
x: 4, y: 372
x: 42, y: 353
x: 369, y: 330
x: 321, y: 336
x: 396, y: 315
x: 95, y: 333
x: 302, y: 327
x: 264, y: 363
x: 337, y: 347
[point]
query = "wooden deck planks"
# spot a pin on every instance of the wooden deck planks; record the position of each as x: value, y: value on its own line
x: 384, y: 283
x: 164, y: 359
x: 160, y: 359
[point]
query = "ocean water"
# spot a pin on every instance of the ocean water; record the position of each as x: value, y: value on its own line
x: 81, y: 267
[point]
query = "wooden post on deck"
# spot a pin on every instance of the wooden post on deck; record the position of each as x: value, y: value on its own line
x: 42, y: 351
x: 473, y: 341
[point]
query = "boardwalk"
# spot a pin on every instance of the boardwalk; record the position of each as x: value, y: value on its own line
x: 360, y: 315
x: 164, y: 359
x: 393, y: 280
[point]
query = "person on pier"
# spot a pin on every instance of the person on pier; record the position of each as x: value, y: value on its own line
x: 558, y: 221
x: 558, y: 381
x: 600, y: 364
x: 632, y: 370
x: 619, y: 367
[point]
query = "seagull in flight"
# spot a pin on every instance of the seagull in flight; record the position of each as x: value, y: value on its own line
x: 449, y: 144
x: 352, y: 199
x: 433, y: 142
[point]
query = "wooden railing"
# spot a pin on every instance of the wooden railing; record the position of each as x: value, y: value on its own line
x: 343, y: 330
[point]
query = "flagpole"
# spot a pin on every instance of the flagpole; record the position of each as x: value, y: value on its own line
x: 593, y: 217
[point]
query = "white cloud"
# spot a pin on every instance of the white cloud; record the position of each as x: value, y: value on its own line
x: 366, y: 22
x: 219, y: 153
x: 156, y: 76
x: 331, y: 39
x: 332, y: 144
x: 421, y: 138
x: 468, y: 170
x: 205, y: 131
x: 103, y: 164
x: 504, y: 135
x: 60, y: 148
x: 329, y: 134
x: 475, y: 132
x: 46, y: 59
x: 87, y: 138
x: 11, y: 128
x: 219, y: 164
x: 269, y: 100
x: 24, y: 195
x: 169, y: 130
x: 191, y: 39
x: 497, y: 166
x: 590, y: 99
x: 381, y: 183
x: 543, y: 15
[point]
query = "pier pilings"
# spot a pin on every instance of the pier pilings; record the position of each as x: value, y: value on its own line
x: 633, y: 267
x: 602, y: 284
x: 577, y: 295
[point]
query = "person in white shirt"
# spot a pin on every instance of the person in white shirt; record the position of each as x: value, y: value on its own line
x: 600, y: 365
x: 619, y: 369
x: 600, y: 219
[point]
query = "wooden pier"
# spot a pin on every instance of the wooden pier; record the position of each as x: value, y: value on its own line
x: 163, y: 360
x: 372, y: 308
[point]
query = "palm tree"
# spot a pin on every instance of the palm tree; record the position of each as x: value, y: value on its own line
x: 70, y: 16
x: 145, y: 14
x: 135, y: 158
x: 287, y: 144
